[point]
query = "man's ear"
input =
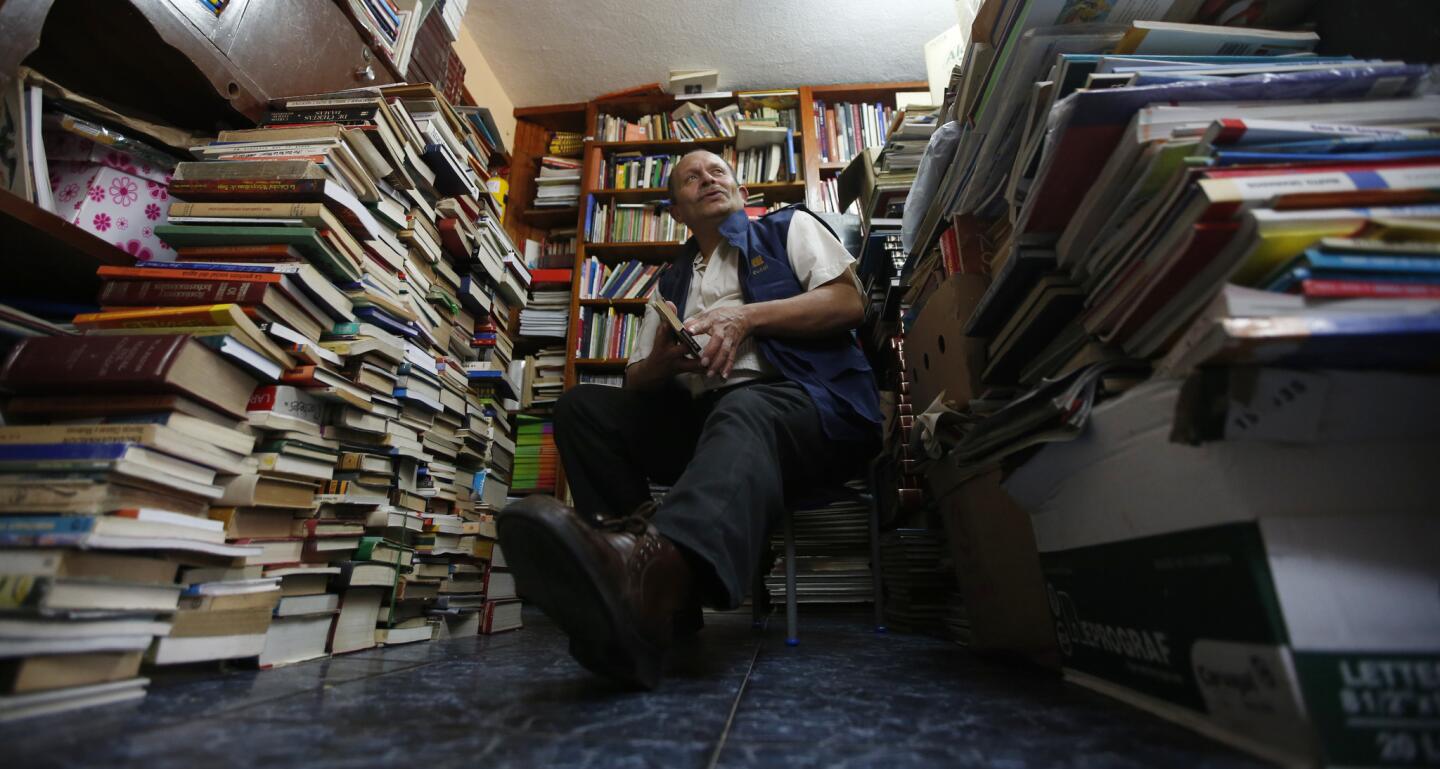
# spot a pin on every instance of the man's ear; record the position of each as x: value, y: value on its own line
x: 675, y: 213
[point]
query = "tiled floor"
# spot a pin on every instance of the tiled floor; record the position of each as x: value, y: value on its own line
x: 845, y: 698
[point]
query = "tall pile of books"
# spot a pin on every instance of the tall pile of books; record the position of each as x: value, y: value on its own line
x: 1208, y: 269
x: 916, y: 580
x: 117, y: 447
x: 610, y: 222
x: 433, y: 58
x: 369, y: 287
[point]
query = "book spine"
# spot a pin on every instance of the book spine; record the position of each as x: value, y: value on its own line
x: 179, y: 292
x: 213, y: 315
x: 341, y: 115
x: 168, y: 271
x: 1368, y: 288
x: 255, y: 210
x: 204, y: 190
x: 95, y: 363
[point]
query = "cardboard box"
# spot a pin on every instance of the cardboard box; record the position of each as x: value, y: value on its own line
x: 938, y: 354
x: 111, y: 194
x: 1278, y: 596
x: 998, y: 571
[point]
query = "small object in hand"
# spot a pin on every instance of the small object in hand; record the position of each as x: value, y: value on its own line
x: 668, y: 317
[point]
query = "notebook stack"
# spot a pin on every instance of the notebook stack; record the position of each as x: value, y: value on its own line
x: 832, y: 546
x: 917, y: 583
x: 558, y: 184
x: 502, y: 606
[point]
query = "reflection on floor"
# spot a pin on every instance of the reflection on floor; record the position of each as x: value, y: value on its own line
x: 846, y: 697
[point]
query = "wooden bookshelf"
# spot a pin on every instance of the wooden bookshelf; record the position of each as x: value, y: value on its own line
x: 812, y: 168
x: 549, y: 218
x: 532, y: 133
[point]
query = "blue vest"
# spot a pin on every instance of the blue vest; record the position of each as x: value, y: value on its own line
x: 832, y: 369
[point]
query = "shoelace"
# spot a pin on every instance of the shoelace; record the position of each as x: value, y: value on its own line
x: 635, y: 523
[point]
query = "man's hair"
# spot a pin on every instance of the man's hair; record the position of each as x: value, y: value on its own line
x: 672, y: 185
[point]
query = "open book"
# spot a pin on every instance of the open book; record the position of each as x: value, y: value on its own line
x: 668, y: 317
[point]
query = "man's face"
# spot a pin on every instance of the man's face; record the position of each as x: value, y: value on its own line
x: 705, y: 190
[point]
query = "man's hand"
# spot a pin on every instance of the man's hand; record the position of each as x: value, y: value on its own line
x: 727, y: 327
x: 668, y: 357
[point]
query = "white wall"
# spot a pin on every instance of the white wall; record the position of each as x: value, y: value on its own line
x: 553, y: 51
x: 485, y: 87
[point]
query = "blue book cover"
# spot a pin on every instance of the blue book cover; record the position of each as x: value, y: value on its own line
x: 45, y: 530
x: 386, y: 321
x: 57, y: 452
x: 1224, y: 159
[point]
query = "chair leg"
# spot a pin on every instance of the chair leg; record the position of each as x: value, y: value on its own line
x: 759, y: 601
x: 792, y: 638
x: 875, y: 551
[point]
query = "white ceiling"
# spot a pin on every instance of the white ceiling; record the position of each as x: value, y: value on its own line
x: 555, y: 51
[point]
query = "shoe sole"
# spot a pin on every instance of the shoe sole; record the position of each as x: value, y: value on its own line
x: 552, y: 570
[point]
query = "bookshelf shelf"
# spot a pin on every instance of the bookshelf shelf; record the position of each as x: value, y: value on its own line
x: 610, y: 364
x: 49, y: 257
x: 632, y: 194
x: 666, y: 144
x: 655, y: 248
x: 616, y: 303
x: 546, y: 218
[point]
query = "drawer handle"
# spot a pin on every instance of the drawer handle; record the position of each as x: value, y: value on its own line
x: 365, y: 74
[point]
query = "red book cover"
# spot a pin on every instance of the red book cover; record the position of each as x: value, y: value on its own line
x: 170, y: 293
x: 1368, y: 288
x: 550, y: 276
x: 450, y: 238
x: 96, y: 364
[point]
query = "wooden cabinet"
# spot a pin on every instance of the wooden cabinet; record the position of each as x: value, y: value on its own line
x: 179, y: 62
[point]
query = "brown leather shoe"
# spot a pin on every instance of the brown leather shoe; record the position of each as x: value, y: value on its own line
x: 613, y: 589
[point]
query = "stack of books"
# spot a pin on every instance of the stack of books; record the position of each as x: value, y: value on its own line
x: 558, y: 183
x: 1209, y: 294
x: 916, y: 580
x: 502, y: 606
x: 116, y: 449
x: 388, y: 282
x: 630, y: 223
x: 536, y: 459
x: 832, y: 546
x: 547, y: 315
x: 544, y: 377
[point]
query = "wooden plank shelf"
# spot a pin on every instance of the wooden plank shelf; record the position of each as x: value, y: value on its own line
x: 546, y: 218
x: 616, y: 364
x: 616, y: 303
x: 665, y: 144
x: 666, y: 248
x: 49, y: 258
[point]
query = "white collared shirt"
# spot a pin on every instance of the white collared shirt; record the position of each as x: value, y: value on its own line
x: 815, y: 255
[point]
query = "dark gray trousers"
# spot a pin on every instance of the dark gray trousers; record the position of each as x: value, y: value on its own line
x: 733, y: 459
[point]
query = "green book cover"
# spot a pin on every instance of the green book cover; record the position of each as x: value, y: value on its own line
x: 306, y: 240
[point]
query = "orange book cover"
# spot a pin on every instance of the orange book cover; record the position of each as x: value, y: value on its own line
x: 161, y: 317
x: 112, y: 272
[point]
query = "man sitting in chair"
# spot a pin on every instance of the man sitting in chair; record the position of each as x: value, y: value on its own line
x: 779, y: 401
